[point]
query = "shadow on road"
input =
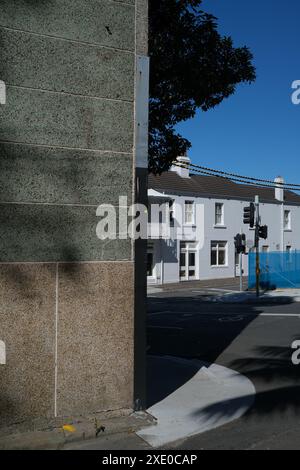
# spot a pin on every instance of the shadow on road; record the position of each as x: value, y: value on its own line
x: 191, y: 328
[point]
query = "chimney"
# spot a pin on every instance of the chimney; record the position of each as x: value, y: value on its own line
x: 183, y: 172
x: 279, y: 190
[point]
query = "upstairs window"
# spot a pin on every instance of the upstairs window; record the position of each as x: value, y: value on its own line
x: 171, y: 213
x: 287, y: 220
x: 219, y: 213
x: 189, y: 212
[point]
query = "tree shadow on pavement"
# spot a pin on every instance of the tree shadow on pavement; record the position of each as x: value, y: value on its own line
x: 191, y: 328
x: 277, y: 385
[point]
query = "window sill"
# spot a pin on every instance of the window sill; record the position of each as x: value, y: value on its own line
x: 288, y: 230
x: 220, y: 266
x: 220, y: 226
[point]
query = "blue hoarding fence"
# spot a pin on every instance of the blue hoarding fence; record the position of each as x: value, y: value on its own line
x: 277, y: 270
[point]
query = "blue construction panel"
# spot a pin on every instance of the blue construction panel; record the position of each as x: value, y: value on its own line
x: 277, y: 270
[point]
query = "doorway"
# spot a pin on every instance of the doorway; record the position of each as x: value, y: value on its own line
x: 187, y: 268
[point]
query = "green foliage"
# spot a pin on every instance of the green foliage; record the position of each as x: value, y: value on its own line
x: 192, y: 67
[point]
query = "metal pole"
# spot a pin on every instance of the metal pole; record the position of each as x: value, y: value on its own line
x: 257, y: 244
x: 241, y: 273
x: 241, y: 267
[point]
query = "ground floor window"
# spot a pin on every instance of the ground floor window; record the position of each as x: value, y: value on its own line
x: 218, y: 253
x: 150, y: 260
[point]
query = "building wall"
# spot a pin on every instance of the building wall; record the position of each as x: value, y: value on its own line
x: 67, y: 144
x: 206, y: 231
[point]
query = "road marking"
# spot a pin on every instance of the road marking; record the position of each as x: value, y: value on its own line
x: 218, y: 290
x: 160, y: 312
x: 165, y: 327
x: 232, y: 318
x: 279, y: 315
x: 250, y: 314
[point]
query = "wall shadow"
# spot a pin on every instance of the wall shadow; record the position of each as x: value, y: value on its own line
x: 191, y: 328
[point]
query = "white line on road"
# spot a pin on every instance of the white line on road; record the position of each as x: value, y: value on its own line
x: 218, y: 290
x: 279, y: 315
x: 159, y: 313
x: 250, y: 314
x: 165, y: 327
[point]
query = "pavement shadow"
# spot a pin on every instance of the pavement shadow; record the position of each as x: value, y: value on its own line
x: 278, y: 387
x: 165, y: 375
x: 191, y: 328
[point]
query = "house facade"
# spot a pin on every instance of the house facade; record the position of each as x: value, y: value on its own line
x: 205, y: 214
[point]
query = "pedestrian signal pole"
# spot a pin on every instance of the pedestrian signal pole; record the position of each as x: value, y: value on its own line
x: 257, y: 223
x: 241, y: 261
x: 240, y: 249
x: 252, y: 218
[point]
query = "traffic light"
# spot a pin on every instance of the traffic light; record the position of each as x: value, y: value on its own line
x: 240, y: 243
x: 249, y: 215
x: 263, y: 232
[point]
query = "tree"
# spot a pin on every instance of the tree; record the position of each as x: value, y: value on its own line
x: 192, y: 67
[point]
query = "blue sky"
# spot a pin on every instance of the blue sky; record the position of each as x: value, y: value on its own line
x: 256, y: 131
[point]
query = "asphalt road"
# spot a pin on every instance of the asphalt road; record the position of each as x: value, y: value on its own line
x: 252, y: 339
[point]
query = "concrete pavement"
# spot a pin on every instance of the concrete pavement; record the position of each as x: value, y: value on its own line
x: 183, y: 413
x: 95, y: 431
x: 231, y: 283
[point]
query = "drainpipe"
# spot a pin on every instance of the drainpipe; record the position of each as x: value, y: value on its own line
x: 279, y: 195
x: 282, y: 227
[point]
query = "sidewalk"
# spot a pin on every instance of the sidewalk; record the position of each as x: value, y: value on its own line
x: 190, y: 399
x: 201, y: 394
x: 224, y: 284
x: 278, y: 296
x: 186, y: 397
x: 76, y: 432
x: 227, y: 291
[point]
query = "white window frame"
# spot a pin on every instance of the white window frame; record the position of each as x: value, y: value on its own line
x: 221, y: 223
x: 191, y: 219
x: 218, y: 248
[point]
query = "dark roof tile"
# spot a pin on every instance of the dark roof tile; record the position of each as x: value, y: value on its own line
x: 214, y: 186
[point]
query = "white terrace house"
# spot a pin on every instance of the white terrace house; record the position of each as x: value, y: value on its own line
x: 205, y: 214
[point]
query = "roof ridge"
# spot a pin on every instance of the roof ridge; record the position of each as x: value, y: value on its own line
x: 207, y: 185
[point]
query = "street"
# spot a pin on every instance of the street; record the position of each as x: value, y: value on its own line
x: 254, y: 340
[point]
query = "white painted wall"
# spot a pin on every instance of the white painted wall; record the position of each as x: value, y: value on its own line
x: 204, y: 231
